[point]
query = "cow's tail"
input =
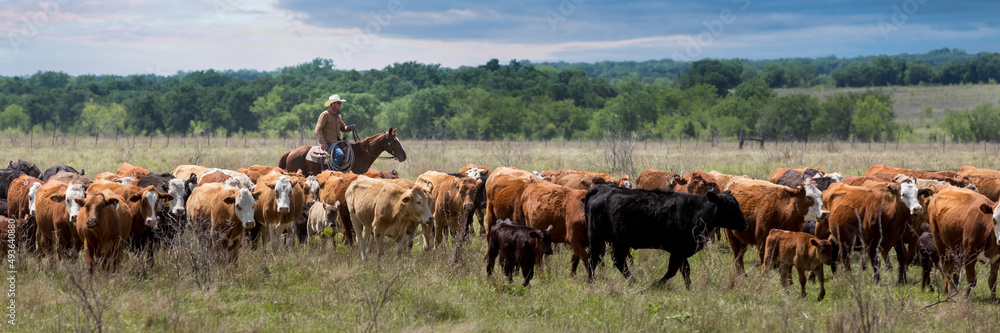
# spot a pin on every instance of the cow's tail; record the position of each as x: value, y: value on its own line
x: 283, y: 162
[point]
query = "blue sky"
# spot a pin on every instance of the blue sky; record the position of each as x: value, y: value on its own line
x: 161, y: 37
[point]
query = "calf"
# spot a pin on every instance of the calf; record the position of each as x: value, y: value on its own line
x: 675, y: 222
x: 321, y: 216
x: 279, y: 204
x: 518, y: 247
x: 928, y: 254
x: 698, y: 182
x: 103, y: 225
x: 803, y: 251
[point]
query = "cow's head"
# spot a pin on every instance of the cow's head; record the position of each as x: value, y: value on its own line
x: 282, y: 190
x: 149, y: 206
x: 816, y: 211
x: 826, y: 250
x: 72, y: 193
x: 467, y: 190
x: 125, y: 180
x: 908, y: 194
x: 699, y: 183
x: 32, y: 192
x: 177, y: 189
x: 624, y: 182
x: 725, y: 211
x: 542, y: 240
x: 331, y: 215
x: 27, y: 167
x: 242, y: 201
x: 98, y: 205
x: 994, y: 212
x: 416, y: 204
x: 313, y: 184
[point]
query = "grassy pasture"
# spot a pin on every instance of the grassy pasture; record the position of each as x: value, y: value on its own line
x: 309, y: 289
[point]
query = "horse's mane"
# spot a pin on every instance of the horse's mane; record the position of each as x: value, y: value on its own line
x: 367, y: 142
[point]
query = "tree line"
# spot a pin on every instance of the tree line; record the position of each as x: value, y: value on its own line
x: 712, y: 99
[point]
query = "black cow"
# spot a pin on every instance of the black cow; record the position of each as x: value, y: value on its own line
x: 27, y: 167
x: 53, y: 170
x: 928, y: 253
x: 675, y: 222
x: 7, y: 176
x: 172, y: 217
x: 517, y: 246
x: 793, y: 179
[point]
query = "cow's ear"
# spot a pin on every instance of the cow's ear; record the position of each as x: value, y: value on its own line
x: 549, y: 229
x: 680, y: 181
x: 894, y: 189
x: 229, y: 200
x: 57, y: 197
x: 135, y: 197
x: 535, y: 234
x: 814, y: 242
x: 112, y: 201
x: 712, y: 197
x: 925, y: 192
x: 406, y: 199
x: 986, y: 209
x: 165, y: 196
x: 271, y: 185
x: 83, y: 172
x: 80, y: 201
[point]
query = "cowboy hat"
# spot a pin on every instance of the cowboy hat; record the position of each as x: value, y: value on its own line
x: 333, y: 99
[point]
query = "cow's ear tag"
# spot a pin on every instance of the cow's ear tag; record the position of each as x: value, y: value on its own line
x: 116, y: 205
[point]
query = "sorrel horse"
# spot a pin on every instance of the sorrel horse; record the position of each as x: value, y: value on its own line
x: 365, y: 153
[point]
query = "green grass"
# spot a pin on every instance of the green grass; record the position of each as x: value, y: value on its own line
x: 310, y: 290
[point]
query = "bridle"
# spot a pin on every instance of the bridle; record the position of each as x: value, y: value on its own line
x: 387, y: 147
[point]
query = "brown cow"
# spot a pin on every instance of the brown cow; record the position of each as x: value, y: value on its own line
x: 698, y: 182
x: 875, y: 216
x: 768, y: 206
x: 651, y: 179
x: 184, y: 171
x: 220, y: 213
x: 103, y: 225
x: 518, y: 247
x: 134, y: 171
x: 56, y: 210
x: 280, y: 201
x: 952, y: 177
x: 543, y: 205
x: 503, y: 193
x: 142, y: 203
x: 579, y: 180
x: 382, y: 209
x: 451, y: 202
x: 21, y: 196
x: 323, y: 176
x: 803, y: 251
x: 722, y: 179
x: 964, y: 224
x: 216, y: 176
x: 333, y: 192
x: 987, y: 181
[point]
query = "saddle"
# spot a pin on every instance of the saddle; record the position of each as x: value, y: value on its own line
x: 318, y: 155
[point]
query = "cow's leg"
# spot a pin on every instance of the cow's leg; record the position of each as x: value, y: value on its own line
x: 673, y: 266
x: 946, y: 263
x: 579, y: 253
x: 902, y: 260
x: 822, y: 285
x: 619, y: 257
x: 992, y: 281
x: 596, y: 252
x: 492, y: 250
x: 876, y: 265
x: 925, y: 272
x: 438, y: 232
x: 479, y: 216
x: 509, y: 264
x: 970, y: 275
x: 527, y: 271
x: 360, y: 237
x: 802, y: 279
x: 785, y: 274
x: 686, y: 273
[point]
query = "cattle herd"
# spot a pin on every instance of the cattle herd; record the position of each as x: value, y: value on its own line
x: 799, y: 218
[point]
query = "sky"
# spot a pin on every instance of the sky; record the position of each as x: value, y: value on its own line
x: 162, y: 37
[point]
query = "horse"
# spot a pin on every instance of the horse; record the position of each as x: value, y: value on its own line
x: 365, y: 153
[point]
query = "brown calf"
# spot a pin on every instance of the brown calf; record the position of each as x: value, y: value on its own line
x: 803, y: 251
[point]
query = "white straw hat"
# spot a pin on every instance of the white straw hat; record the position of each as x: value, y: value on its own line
x: 333, y: 99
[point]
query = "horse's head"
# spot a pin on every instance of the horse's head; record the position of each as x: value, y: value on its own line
x: 392, y: 145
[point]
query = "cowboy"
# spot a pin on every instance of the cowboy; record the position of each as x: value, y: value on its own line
x: 329, y: 126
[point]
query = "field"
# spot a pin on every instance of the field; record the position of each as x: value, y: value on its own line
x: 309, y: 289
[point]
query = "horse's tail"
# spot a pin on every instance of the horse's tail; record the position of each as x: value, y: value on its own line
x: 283, y: 162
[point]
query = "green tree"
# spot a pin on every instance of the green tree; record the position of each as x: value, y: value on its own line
x: 14, y: 116
x: 99, y: 119
x: 871, y: 119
